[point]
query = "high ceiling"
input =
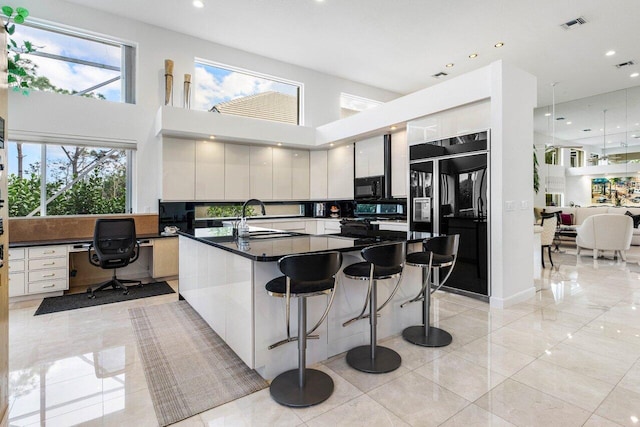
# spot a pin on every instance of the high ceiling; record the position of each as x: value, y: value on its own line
x: 398, y: 45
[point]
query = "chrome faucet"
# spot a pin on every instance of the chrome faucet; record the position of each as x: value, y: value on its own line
x: 244, y: 207
x: 243, y: 228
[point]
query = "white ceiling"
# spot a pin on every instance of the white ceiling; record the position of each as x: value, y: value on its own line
x: 397, y: 45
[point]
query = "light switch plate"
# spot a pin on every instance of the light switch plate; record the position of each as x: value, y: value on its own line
x: 509, y: 205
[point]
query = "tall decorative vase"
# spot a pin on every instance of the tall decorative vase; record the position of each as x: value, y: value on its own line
x: 168, y: 82
x: 187, y: 91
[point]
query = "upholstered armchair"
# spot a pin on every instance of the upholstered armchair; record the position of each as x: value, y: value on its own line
x: 605, y: 232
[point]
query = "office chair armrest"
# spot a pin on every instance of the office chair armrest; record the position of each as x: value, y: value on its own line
x: 137, y: 252
x: 91, y: 260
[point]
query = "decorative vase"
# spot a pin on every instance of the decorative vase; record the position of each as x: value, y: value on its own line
x: 168, y: 82
x: 187, y: 91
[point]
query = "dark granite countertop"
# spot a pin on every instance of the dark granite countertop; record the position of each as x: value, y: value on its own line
x: 78, y: 241
x: 267, y: 249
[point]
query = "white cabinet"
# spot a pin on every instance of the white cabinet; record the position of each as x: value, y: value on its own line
x: 282, y: 173
x: 318, y: 175
x: 261, y: 173
x: 370, y: 157
x: 340, y: 172
x: 399, y: 164
x: 328, y: 226
x: 38, y: 269
x: 236, y: 172
x: 178, y: 169
x: 300, y: 174
x: 393, y: 226
x: 209, y: 170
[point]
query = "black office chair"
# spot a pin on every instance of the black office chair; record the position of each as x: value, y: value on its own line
x: 114, y: 246
x: 305, y: 276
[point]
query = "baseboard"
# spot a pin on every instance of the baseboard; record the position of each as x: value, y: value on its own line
x: 522, y: 296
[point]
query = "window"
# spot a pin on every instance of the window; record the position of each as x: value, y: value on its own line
x: 77, y: 64
x: 48, y: 179
x: 352, y: 104
x: 227, y: 90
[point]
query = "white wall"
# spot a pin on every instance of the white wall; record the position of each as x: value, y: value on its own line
x: 50, y: 113
x: 578, y: 190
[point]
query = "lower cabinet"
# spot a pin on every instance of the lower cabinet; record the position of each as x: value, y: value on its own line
x: 165, y: 257
x: 38, y: 270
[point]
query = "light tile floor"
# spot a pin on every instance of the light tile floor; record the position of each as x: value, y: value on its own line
x: 569, y: 356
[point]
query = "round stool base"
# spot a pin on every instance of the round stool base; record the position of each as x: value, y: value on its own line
x: 286, y: 391
x: 436, y: 338
x: 386, y: 359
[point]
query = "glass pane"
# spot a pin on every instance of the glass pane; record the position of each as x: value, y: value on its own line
x: 24, y: 178
x: 232, y: 92
x: 56, y: 68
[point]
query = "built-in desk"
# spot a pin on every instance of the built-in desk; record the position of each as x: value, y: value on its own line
x: 50, y: 267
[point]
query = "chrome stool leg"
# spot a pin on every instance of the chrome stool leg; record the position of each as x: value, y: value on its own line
x: 373, y: 358
x: 301, y: 387
x: 426, y: 335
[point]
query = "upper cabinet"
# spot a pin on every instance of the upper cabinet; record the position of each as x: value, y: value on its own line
x: 399, y: 164
x: 236, y: 172
x: 178, y: 169
x: 209, y: 159
x: 282, y: 173
x: 370, y: 157
x: 340, y: 172
x: 300, y: 174
x: 261, y: 172
x: 318, y: 175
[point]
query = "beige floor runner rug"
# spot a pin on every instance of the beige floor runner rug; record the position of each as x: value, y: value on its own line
x: 189, y: 369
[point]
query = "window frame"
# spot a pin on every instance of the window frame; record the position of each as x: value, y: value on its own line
x: 128, y: 54
x: 299, y: 85
x: 129, y: 173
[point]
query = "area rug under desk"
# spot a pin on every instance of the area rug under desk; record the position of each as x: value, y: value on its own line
x: 106, y: 296
x: 189, y: 369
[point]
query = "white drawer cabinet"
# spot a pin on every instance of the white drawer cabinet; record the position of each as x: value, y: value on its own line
x: 38, y: 269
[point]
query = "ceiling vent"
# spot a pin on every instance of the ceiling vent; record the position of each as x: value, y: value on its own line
x: 559, y: 118
x: 574, y: 23
x: 625, y: 64
x: 440, y: 74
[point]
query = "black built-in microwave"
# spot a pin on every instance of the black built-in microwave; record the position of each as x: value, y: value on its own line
x: 371, y: 187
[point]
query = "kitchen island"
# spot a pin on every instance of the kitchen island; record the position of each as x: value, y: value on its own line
x: 223, y: 279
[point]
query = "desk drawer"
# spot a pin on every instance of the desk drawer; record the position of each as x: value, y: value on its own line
x: 53, y: 274
x: 16, y: 265
x: 39, y: 264
x: 47, y: 286
x: 16, y: 284
x: 16, y: 253
x: 47, y: 251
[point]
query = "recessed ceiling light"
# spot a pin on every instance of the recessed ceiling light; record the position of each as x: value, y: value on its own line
x: 331, y: 145
x: 473, y: 55
x: 393, y: 128
x: 449, y: 65
x: 198, y: 3
x: 499, y: 44
x: 610, y: 53
x: 212, y: 137
x: 547, y: 114
x: 569, y: 123
x: 601, y: 130
x: 279, y: 144
x: 634, y: 74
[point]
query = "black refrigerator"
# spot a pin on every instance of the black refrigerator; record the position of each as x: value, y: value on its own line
x: 449, y: 181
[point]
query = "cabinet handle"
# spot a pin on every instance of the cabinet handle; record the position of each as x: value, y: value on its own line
x: 48, y: 286
x: 49, y: 275
x: 49, y: 263
x: 49, y: 252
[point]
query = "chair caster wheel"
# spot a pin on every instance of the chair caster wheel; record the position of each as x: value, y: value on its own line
x: 91, y: 296
x: 125, y: 293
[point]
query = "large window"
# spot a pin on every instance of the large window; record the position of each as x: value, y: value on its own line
x: 77, y: 64
x: 227, y: 90
x: 48, y: 179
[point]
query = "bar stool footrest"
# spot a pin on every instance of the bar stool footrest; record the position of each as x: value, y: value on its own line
x: 386, y: 360
x: 436, y: 337
x: 285, y: 388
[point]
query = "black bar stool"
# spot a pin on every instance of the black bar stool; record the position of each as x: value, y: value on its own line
x: 439, y: 252
x: 304, y: 276
x: 381, y: 262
